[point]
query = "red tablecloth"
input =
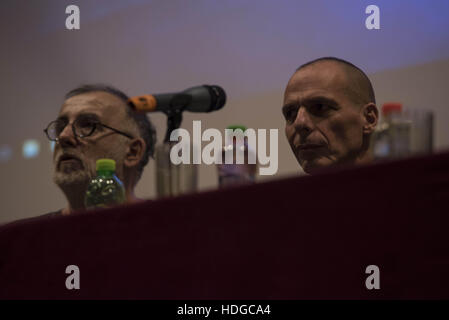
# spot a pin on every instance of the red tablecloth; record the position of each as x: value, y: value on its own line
x: 301, y: 238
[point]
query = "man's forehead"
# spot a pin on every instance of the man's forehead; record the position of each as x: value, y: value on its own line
x: 321, y: 78
x: 320, y: 74
x: 97, y: 102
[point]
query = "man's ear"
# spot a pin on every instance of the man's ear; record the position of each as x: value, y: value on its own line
x: 370, y: 116
x: 135, y: 152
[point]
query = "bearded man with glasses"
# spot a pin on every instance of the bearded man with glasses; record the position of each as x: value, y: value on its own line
x: 95, y: 121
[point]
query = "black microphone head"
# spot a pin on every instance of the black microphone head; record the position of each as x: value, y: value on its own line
x: 218, y: 97
x: 204, y: 98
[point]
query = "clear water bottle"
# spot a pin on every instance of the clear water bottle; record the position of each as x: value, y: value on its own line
x: 230, y: 174
x: 392, y: 137
x: 105, y: 190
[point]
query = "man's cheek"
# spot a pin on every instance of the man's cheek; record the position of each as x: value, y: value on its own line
x: 90, y: 167
x: 289, y: 133
x: 56, y: 151
x: 338, y: 128
x: 338, y: 132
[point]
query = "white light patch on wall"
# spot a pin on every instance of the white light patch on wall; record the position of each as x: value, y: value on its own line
x: 52, y: 146
x: 30, y: 149
x: 5, y: 153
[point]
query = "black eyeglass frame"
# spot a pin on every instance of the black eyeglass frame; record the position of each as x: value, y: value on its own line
x: 95, y: 124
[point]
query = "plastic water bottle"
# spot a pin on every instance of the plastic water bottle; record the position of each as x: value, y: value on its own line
x: 105, y: 190
x: 392, y: 138
x: 234, y: 173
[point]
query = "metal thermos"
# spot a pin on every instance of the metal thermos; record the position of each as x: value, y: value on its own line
x: 173, y: 179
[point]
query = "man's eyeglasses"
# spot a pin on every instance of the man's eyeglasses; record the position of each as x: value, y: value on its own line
x: 82, y: 127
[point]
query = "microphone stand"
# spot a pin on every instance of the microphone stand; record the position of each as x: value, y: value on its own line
x: 174, y: 119
x: 173, y: 179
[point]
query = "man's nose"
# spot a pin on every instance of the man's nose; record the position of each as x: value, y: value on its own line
x: 303, y: 123
x: 67, y: 137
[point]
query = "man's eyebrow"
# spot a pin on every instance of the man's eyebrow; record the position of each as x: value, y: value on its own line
x: 88, y: 115
x: 289, y: 105
x: 309, y: 100
x: 321, y: 99
x: 61, y: 118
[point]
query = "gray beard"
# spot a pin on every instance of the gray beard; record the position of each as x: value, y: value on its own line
x: 71, y: 180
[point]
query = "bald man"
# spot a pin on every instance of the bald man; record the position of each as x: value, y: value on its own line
x: 330, y: 112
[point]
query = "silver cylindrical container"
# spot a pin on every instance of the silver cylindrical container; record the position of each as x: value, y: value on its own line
x: 173, y: 179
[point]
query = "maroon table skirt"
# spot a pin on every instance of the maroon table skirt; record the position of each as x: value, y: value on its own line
x: 308, y: 237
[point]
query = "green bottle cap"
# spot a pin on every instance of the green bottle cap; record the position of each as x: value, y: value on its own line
x: 105, y: 165
x: 236, y: 126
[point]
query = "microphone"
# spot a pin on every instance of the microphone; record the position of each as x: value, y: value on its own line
x: 196, y: 99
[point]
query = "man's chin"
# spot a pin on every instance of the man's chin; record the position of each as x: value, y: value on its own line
x: 312, y: 166
x: 73, y: 178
